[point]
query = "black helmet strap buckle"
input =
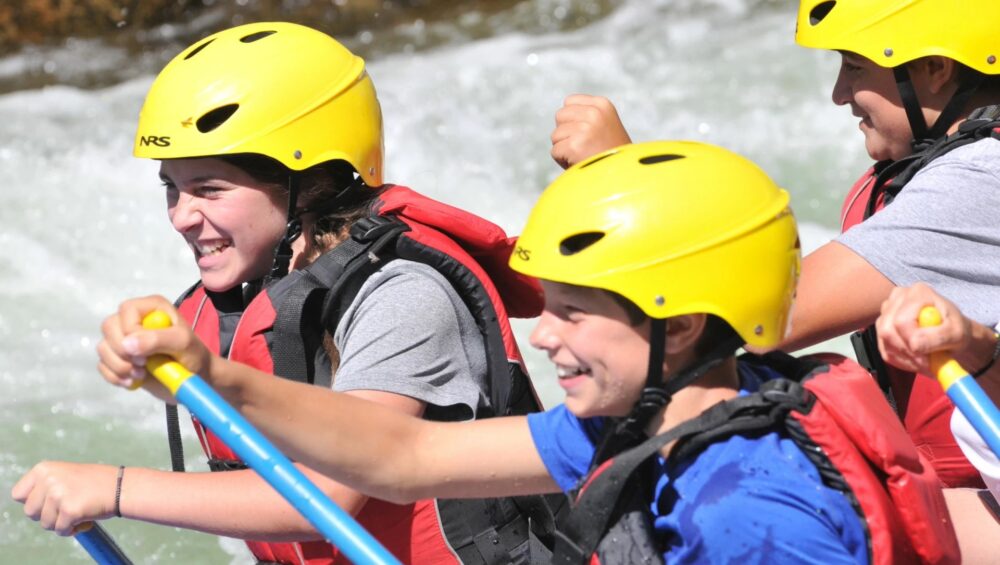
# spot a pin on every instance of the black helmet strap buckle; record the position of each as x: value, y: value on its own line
x: 656, y: 394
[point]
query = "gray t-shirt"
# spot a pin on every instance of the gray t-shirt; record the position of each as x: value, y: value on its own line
x: 943, y: 229
x: 408, y: 332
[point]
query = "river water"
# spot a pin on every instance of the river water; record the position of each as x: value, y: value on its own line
x: 82, y: 223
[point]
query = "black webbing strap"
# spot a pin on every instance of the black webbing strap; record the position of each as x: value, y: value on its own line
x: 504, y: 385
x: 543, y: 510
x: 383, y: 234
x: 292, y: 334
x: 174, y: 439
x: 951, y: 112
x: 914, y: 112
x: 892, y: 176
x: 484, y: 531
x: 298, y: 328
x: 597, y: 500
x: 924, y: 136
x: 886, y: 182
x: 173, y: 420
x: 982, y: 115
x: 229, y: 306
x: 215, y: 464
x: 865, y: 343
x: 293, y: 229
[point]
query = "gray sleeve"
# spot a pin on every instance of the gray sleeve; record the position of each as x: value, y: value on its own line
x: 943, y: 229
x: 408, y: 332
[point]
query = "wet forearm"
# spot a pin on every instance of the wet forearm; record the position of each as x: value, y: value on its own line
x: 382, y: 452
x: 360, y: 443
x: 236, y: 504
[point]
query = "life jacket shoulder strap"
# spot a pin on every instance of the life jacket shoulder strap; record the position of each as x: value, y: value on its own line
x: 982, y: 123
x: 330, y: 285
x: 508, y: 385
x: 858, y: 447
x: 599, y: 498
x: 187, y: 294
x: 324, y: 287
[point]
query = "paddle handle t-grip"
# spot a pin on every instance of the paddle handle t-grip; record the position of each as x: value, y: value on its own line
x: 169, y: 372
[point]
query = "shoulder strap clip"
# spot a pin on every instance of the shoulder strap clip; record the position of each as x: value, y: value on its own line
x: 371, y: 228
x: 787, y: 393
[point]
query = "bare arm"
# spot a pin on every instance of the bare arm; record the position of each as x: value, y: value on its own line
x: 236, y: 504
x: 376, y: 450
x: 60, y: 495
x: 384, y: 453
x: 838, y: 293
x: 977, y: 525
x: 242, y: 504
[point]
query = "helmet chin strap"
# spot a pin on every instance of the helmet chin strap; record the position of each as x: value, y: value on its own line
x: 293, y: 229
x: 922, y: 136
x: 658, y: 392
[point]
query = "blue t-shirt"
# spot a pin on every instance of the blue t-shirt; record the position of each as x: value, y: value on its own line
x: 741, y: 500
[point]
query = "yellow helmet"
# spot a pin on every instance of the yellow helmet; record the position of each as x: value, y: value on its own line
x: 677, y: 228
x: 277, y: 89
x: 893, y: 32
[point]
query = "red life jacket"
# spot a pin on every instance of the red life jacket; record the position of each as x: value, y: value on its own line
x: 472, y: 254
x: 833, y: 411
x: 918, y: 399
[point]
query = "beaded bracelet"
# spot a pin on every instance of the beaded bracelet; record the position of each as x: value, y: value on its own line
x: 118, y: 491
x: 993, y: 359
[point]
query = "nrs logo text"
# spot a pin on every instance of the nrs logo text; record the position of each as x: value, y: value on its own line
x: 159, y: 141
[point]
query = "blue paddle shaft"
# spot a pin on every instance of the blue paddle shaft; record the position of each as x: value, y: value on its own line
x: 101, y: 547
x: 261, y: 456
x: 981, y: 412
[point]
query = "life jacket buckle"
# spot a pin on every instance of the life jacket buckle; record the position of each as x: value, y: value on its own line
x: 371, y: 228
x: 785, y: 392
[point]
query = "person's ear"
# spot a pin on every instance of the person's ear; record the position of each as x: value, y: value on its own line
x: 936, y: 72
x: 683, y: 332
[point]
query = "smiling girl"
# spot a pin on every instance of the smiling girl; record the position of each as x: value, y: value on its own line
x: 269, y: 138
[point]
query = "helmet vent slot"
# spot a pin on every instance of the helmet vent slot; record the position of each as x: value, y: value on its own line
x: 577, y: 243
x: 197, y: 49
x: 215, y: 118
x: 598, y: 159
x: 820, y: 11
x: 654, y: 159
x: 255, y: 36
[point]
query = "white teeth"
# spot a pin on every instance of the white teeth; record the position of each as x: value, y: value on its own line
x: 205, y: 250
x: 563, y: 372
